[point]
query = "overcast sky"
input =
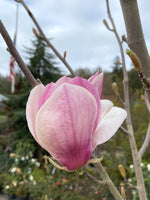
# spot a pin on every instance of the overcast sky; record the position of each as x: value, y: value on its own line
x: 75, y: 26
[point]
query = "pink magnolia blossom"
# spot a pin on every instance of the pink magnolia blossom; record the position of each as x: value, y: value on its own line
x: 68, y: 119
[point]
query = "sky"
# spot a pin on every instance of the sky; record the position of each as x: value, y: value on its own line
x: 73, y: 26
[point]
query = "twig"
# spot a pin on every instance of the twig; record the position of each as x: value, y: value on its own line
x: 135, y: 155
x: 123, y: 130
x: 147, y: 138
x: 42, y: 35
x: 17, y: 57
x: 147, y: 101
x: 145, y: 143
x: 108, y: 182
x: 94, y: 179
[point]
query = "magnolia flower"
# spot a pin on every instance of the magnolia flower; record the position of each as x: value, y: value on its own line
x: 68, y: 119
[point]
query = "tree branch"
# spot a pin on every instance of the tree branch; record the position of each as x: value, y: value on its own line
x: 135, y: 37
x: 146, y: 142
x: 16, y: 56
x: 42, y: 35
x: 123, y: 130
x: 94, y: 179
x: 108, y: 182
x: 135, y: 155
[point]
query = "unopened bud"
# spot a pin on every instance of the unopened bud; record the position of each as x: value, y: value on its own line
x: 115, y: 88
x: 122, y: 171
x: 105, y: 23
x: 135, y: 60
x: 65, y: 54
x: 35, y: 32
x: 123, y: 194
x: 46, y: 197
x: 12, y: 155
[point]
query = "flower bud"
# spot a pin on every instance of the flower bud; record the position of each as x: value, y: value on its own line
x: 12, y: 155
x: 122, y: 171
x: 106, y: 24
x: 65, y: 54
x: 135, y: 60
x: 35, y: 32
x: 123, y: 194
x: 115, y: 88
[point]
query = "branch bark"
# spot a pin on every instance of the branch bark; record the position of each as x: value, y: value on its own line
x: 17, y: 57
x: 42, y: 35
x: 108, y: 182
x: 146, y: 142
x: 135, y: 37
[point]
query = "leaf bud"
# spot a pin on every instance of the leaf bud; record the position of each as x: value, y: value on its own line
x: 35, y: 32
x: 105, y: 23
x: 65, y: 54
x: 122, y: 171
x: 135, y: 60
x: 115, y: 88
x: 123, y: 194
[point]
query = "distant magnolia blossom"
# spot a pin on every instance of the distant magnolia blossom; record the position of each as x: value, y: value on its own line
x: 68, y: 119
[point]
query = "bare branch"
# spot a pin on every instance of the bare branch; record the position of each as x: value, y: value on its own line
x: 108, y: 181
x: 94, y: 179
x: 147, y: 101
x: 123, y: 130
x: 146, y: 142
x: 135, y: 155
x: 42, y: 35
x: 17, y: 57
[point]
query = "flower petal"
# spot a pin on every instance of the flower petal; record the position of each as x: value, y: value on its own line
x: 65, y: 123
x: 32, y: 107
x: 88, y: 86
x: 106, y: 105
x: 97, y: 82
x: 48, y: 91
x: 108, y: 126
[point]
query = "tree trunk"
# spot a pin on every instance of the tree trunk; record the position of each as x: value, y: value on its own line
x: 135, y: 37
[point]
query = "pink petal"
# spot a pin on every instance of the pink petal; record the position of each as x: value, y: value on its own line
x: 62, y: 80
x: 65, y: 123
x: 97, y: 82
x: 32, y: 107
x: 108, y: 126
x: 48, y: 91
x: 88, y: 86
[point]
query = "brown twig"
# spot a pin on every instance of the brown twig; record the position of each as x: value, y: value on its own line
x: 94, y: 179
x: 135, y: 155
x: 42, y: 35
x: 123, y: 130
x: 13, y: 51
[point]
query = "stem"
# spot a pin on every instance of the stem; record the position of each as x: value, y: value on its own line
x: 17, y: 57
x: 42, y: 35
x: 135, y: 155
x: 108, y: 182
x: 135, y: 37
x: 94, y: 179
x: 145, y: 143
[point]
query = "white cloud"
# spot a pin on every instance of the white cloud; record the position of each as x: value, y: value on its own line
x: 75, y: 26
